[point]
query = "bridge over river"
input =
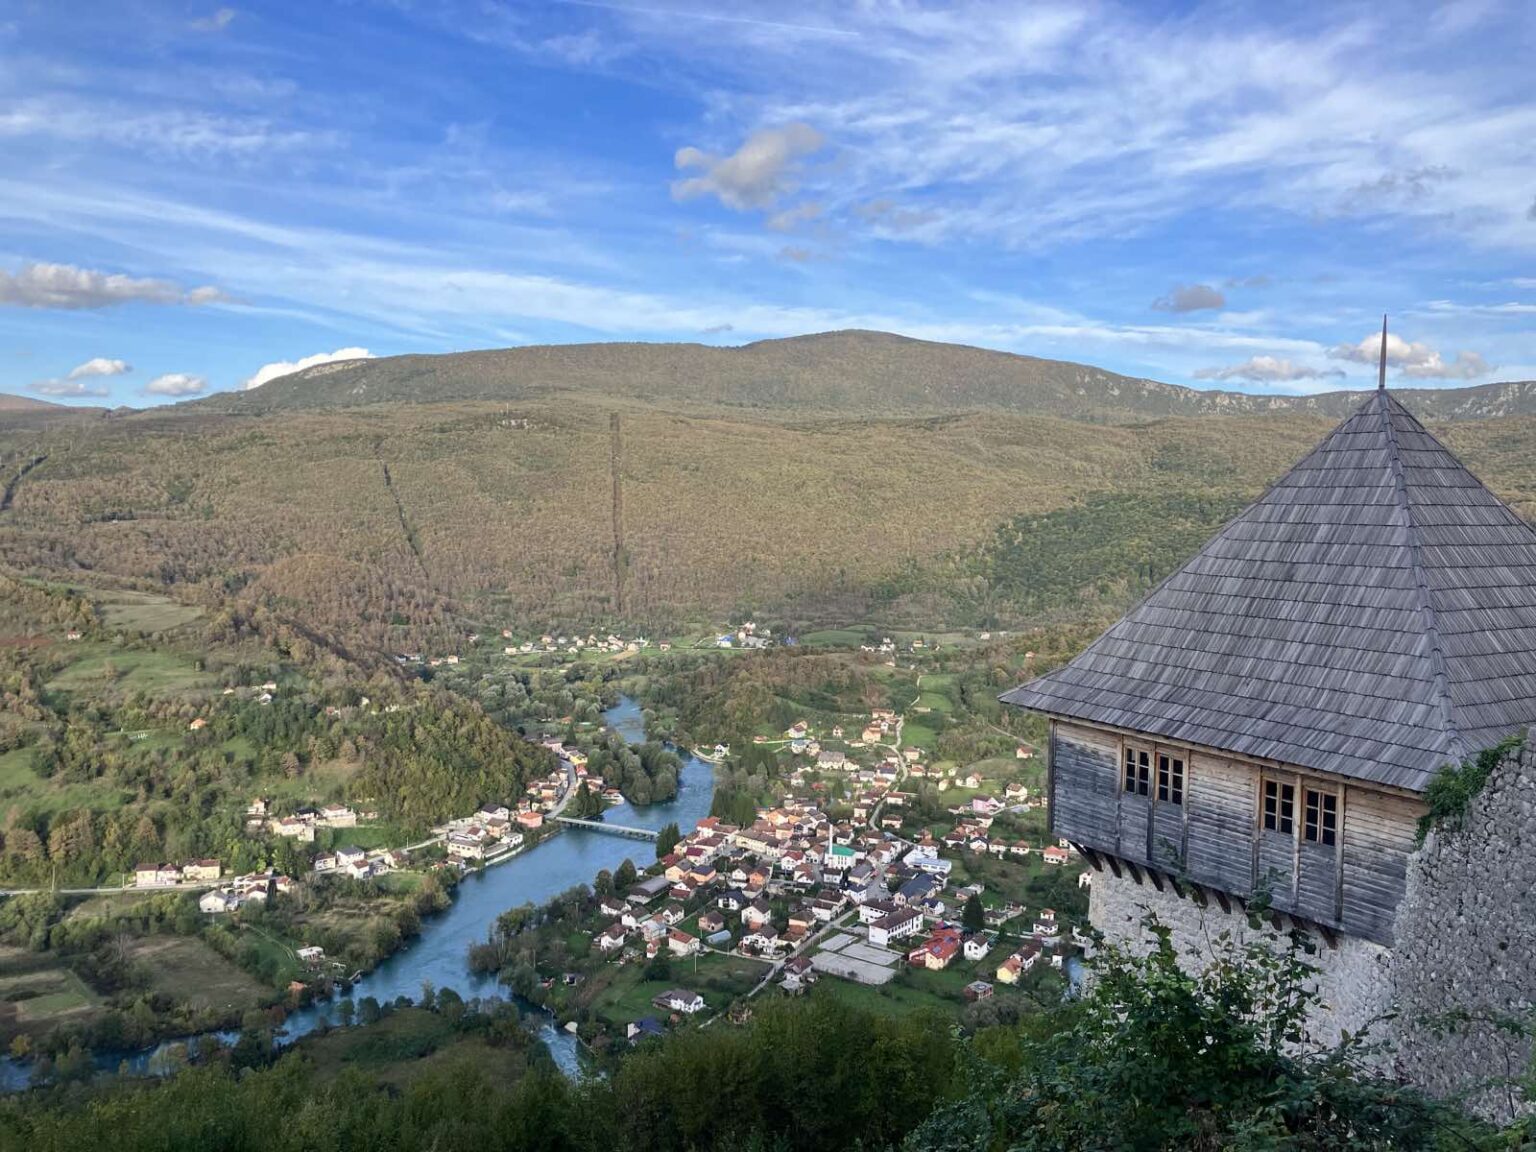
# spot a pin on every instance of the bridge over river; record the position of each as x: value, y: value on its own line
x: 611, y: 829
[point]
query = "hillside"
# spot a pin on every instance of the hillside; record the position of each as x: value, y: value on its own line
x: 865, y: 373
x: 402, y: 526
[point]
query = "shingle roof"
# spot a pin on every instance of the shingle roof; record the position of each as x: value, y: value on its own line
x: 1372, y: 615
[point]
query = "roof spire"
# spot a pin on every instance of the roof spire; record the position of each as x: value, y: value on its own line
x: 1381, y: 375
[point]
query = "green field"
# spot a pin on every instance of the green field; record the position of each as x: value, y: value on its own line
x: 143, y: 611
x: 37, y: 993
x: 187, y: 970
x: 915, y: 735
x: 99, y: 667
x: 367, y: 836
x: 836, y: 638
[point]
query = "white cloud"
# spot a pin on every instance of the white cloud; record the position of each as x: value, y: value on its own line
x: 1415, y: 360
x: 83, y: 379
x: 68, y: 287
x: 1190, y: 298
x: 99, y: 366
x: 757, y: 175
x: 1268, y: 370
x: 284, y: 367
x: 176, y: 384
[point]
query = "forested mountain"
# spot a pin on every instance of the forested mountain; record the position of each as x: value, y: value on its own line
x: 398, y: 525
x: 856, y: 372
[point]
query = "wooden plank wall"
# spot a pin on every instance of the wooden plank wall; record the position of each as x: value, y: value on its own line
x: 1220, y: 834
x: 1378, y: 836
x: 1167, y: 850
x: 1221, y: 798
x: 1085, y: 784
x: 1317, y: 883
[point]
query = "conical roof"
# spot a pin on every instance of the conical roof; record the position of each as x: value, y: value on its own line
x: 1372, y: 615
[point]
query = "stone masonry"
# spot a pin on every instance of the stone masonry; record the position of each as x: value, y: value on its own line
x: 1452, y: 1000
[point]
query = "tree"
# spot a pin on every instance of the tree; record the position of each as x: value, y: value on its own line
x: 624, y: 876
x: 666, y: 840
x: 347, y: 1011
x: 974, y: 916
x: 21, y: 1046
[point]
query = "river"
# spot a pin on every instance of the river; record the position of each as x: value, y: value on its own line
x: 440, y: 954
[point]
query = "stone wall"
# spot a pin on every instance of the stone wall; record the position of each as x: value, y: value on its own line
x: 1466, y: 947
x: 1353, y: 980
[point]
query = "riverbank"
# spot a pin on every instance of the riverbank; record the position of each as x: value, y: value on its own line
x: 438, y: 957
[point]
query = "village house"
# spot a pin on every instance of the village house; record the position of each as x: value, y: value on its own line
x: 295, y: 827
x: 680, y: 1000
x: 217, y: 902
x: 354, y: 862
x: 937, y: 952
x: 201, y: 870
x: 756, y: 914
x: 976, y: 990
x: 894, y: 926
x: 680, y: 943
x: 1269, y: 719
x: 466, y: 845
x: 976, y: 945
x: 338, y: 816
x: 156, y: 875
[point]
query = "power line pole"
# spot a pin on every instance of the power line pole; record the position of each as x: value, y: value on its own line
x: 615, y: 461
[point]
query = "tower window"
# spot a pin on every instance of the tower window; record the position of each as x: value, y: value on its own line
x: 1320, y: 817
x: 1138, y: 771
x: 1279, y: 807
x: 1170, y: 779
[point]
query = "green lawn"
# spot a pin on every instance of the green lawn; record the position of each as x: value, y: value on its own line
x: 367, y: 836
x: 918, y: 735
x: 892, y: 999
x: 836, y: 638
x: 400, y: 881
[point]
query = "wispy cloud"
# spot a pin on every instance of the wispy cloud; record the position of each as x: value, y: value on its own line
x: 1268, y: 370
x: 216, y: 21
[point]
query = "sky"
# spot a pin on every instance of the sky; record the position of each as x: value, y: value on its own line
x: 197, y: 197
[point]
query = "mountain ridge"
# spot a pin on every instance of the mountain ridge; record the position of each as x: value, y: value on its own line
x: 844, y: 371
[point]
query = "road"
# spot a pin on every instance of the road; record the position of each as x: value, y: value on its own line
x: 570, y: 791
x: 117, y: 889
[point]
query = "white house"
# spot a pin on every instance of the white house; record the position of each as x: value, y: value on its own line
x: 897, y: 925
x: 217, y: 902
x: 680, y: 1000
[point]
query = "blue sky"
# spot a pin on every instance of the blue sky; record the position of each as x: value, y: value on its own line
x: 194, y: 195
